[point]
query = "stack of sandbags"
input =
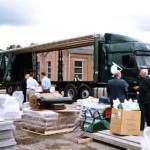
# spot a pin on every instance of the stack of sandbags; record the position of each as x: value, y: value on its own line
x: 66, y: 119
x: 89, y: 100
x: 47, y: 120
x: 7, y: 140
x: 40, y: 121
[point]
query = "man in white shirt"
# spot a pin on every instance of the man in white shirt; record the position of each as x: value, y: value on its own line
x: 31, y: 84
x: 46, y: 83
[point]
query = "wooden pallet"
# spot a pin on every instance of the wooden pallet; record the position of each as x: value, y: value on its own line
x: 47, y: 132
x: 128, y: 142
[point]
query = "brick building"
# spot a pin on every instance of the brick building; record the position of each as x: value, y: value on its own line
x: 75, y: 61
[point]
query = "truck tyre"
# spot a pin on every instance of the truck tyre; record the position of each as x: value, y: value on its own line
x: 10, y: 90
x: 70, y: 91
x: 85, y: 91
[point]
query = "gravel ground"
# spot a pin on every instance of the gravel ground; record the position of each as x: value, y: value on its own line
x: 30, y: 141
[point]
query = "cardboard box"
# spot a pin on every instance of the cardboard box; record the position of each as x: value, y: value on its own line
x: 125, y: 122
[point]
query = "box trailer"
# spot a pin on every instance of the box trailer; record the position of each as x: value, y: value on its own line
x: 110, y: 51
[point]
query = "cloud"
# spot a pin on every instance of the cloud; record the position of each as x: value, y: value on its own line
x: 18, y: 12
x: 40, y: 21
x: 144, y: 24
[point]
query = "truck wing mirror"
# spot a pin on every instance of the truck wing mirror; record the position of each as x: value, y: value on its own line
x: 114, y: 68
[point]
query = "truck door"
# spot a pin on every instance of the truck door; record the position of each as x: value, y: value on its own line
x: 130, y: 72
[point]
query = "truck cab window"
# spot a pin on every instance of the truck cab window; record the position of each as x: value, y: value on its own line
x: 128, y: 61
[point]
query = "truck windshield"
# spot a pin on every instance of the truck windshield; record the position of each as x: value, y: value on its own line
x: 143, y: 62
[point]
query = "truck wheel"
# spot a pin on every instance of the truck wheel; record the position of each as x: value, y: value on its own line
x: 70, y: 91
x: 10, y: 90
x: 85, y: 91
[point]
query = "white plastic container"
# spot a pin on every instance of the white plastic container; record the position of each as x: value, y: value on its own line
x: 52, y: 89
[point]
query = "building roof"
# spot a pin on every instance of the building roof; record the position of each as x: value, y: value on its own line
x: 82, y: 50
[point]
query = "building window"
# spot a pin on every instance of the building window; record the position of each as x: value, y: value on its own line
x: 78, y: 65
x: 38, y: 67
x: 49, y: 69
x: 38, y: 70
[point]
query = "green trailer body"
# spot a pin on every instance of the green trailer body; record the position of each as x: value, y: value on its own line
x: 127, y: 53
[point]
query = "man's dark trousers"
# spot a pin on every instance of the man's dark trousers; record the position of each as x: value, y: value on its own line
x: 145, y: 114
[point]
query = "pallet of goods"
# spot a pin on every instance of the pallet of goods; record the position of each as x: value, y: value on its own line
x: 48, y: 122
x: 7, y: 140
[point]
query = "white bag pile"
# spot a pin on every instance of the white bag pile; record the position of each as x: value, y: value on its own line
x: 9, y: 108
x: 19, y: 97
x: 7, y: 140
x: 47, y: 120
x: 145, y: 141
x: 89, y: 100
x: 92, y: 104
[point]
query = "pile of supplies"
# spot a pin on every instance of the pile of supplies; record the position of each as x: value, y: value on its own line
x: 44, y: 119
x: 10, y: 110
x: 92, y: 104
x: 53, y: 101
x: 145, y: 141
x: 92, y: 113
x: 10, y: 106
x: 125, y: 118
x: 7, y: 140
x: 47, y: 120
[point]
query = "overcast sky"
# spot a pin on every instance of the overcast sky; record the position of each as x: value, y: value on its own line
x: 40, y: 21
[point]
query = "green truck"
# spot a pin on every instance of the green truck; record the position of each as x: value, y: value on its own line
x: 110, y: 51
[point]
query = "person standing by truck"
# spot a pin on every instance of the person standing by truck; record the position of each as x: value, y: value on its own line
x: 117, y: 88
x: 31, y: 85
x: 144, y: 97
x: 46, y: 83
x: 24, y: 86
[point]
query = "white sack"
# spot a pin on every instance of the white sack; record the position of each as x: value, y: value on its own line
x: 145, y: 142
x: 25, y: 105
x: 19, y: 97
x: 10, y: 109
x: 3, y: 98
